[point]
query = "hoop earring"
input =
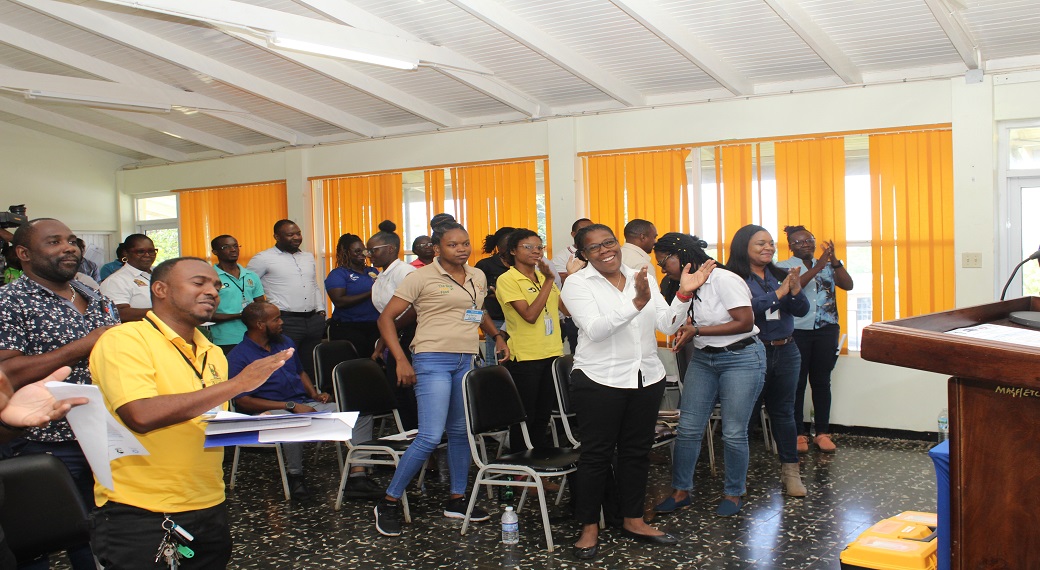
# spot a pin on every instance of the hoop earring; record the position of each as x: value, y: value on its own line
x: 122, y: 259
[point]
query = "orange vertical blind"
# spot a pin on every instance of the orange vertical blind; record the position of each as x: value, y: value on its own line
x: 434, y: 184
x: 733, y: 179
x: 247, y: 212
x: 491, y: 196
x: 810, y: 192
x: 911, y: 179
x: 646, y: 185
x: 357, y: 205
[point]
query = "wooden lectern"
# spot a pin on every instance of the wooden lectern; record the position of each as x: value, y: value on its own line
x: 995, y: 428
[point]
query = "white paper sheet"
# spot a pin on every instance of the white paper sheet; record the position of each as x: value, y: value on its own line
x: 337, y: 426
x: 1001, y: 333
x: 101, y: 437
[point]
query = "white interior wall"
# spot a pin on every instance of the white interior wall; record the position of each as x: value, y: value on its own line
x: 57, y: 178
x: 865, y: 393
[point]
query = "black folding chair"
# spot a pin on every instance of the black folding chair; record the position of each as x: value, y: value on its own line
x: 42, y: 511
x: 492, y: 404
x: 361, y: 386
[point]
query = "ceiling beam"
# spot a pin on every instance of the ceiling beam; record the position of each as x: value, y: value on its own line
x: 813, y: 35
x: 682, y: 40
x: 243, y: 15
x: 97, y: 23
x: 347, y: 13
x: 338, y: 71
x: 105, y: 70
x: 178, y: 130
x: 65, y: 123
x: 507, y: 22
x: 955, y: 28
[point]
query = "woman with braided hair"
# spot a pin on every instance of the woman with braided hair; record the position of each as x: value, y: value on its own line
x: 728, y: 365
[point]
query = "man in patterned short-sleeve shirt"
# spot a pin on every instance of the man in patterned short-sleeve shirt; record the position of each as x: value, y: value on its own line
x: 49, y: 320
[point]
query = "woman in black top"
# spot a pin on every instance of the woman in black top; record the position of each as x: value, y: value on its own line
x: 493, y: 267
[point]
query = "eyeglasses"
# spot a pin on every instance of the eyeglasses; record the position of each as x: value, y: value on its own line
x: 424, y: 244
x: 228, y: 246
x: 145, y: 251
x: 368, y: 252
x: 594, y: 247
x: 664, y: 261
x: 806, y: 241
x: 530, y: 247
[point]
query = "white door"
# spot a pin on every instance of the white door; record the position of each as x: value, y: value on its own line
x: 1023, y: 234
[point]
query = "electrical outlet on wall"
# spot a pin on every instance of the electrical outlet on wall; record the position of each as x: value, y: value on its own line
x: 973, y: 260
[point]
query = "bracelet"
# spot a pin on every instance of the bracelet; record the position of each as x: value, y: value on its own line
x: 9, y: 427
x: 503, y: 334
x: 840, y: 264
x: 683, y: 298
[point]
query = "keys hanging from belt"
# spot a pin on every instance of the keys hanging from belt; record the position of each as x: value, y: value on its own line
x: 172, y: 548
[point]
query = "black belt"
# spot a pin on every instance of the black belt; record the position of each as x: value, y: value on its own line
x: 299, y: 313
x: 740, y: 344
x: 778, y: 342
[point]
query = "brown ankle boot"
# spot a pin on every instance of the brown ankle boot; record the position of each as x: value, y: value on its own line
x: 792, y: 479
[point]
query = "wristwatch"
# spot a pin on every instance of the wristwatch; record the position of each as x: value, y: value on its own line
x: 838, y: 265
x: 290, y: 406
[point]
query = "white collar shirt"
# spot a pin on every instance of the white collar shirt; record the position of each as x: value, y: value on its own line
x: 615, y: 340
x: 129, y: 286
x: 289, y: 280
x: 387, y: 281
x: 724, y: 290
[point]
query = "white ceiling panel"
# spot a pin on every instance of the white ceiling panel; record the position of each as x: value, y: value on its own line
x: 536, y: 59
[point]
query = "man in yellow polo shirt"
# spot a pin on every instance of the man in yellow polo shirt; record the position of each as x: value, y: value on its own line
x: 158, y: 377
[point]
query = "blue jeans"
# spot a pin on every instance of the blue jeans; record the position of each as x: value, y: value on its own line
x: 438, y: 392
x: 735, y: 379
x: 783, y: 363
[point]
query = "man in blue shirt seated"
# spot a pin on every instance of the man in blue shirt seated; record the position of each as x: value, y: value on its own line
x: 289, y: 390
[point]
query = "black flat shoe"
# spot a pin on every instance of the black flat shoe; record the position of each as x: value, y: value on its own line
x: 661, y: 539
x: 586, y: 553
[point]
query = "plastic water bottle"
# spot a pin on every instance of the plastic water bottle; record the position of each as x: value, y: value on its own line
x: 944, y: 425
x: 510, y: 527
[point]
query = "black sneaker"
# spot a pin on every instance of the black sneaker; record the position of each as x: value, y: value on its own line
x: 362, y: 488
x: 456, y: 509
x: 388, y: 517
x: 298, y: 487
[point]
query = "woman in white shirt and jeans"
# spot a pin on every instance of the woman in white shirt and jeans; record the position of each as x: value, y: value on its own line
x: 617, y: 380
x: 728, y: 365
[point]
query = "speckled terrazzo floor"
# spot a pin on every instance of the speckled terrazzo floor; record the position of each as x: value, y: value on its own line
x: 867, y: 480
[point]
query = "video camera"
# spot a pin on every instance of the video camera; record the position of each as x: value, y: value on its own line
x: 13, y: 217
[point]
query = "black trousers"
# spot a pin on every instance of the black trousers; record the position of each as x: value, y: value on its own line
x: 819, y: 355
x: 127, y: 538
x: 306, y: 333
x: 407, y: 407
x: 533, y: 379
x: 362, y: 335
x: 613, y: 420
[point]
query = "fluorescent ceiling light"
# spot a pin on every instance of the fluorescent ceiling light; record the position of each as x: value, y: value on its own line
x: 96, y: 102
x: 275, y: 40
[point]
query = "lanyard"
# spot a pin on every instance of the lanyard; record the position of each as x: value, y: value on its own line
x: 186, y: 359
x: 538, y: 289
x: 472, y: 297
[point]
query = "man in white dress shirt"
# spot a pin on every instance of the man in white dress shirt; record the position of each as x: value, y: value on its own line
x: 289, y: 278
x: 640, y: 237
x: 559, y: 265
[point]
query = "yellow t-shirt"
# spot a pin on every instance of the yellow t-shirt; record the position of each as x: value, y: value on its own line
x: 528, y: 341
x: 140, y: 360
x: 440, y: 308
